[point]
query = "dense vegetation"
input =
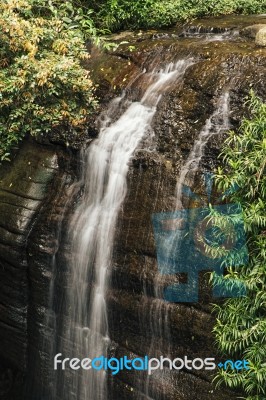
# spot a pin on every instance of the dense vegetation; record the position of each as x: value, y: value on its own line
x: 241, y: 322
x: 123, y: 14
x: 43, y: 88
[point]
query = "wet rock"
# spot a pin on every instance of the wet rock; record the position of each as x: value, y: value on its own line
x: 224, y: 23
x: 25, y: 185
x: 23, y: 188
x: 251, y: 31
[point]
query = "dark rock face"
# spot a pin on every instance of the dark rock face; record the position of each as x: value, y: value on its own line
x: 26, y: 188
x: 23, y: 190
x: 39, y: 190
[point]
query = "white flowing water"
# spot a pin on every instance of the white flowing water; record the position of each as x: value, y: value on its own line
x: 217, y: 124
x: 159, y: 313
x: 92, y: 231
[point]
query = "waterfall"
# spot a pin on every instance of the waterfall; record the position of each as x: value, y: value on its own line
x: 217, y: 124
x: 159, y: 312
x: 92, y: 230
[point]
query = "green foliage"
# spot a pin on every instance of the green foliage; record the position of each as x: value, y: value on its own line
x: 240, y: 328
x: 43, y: 87
x: 122, y: 14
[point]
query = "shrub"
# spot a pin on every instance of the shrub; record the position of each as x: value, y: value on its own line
x: 240, y: 328
x: 124, y: 14
x: 43, y: 87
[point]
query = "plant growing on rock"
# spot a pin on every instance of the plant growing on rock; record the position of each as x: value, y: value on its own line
x: 43, y: 87
x: 240, y: 328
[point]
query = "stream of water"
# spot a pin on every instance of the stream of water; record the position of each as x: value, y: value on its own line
x: 104, y: 180
x: 159, y: 310
x: 217, y: 124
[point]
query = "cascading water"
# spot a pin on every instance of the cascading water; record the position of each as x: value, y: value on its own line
x: 216, y: 124
x: 105, y: 166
